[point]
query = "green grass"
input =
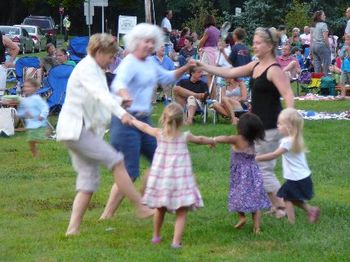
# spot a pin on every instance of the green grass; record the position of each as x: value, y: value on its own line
x: 36, y: 198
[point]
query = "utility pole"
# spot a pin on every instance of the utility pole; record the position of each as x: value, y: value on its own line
x: 148, y: 13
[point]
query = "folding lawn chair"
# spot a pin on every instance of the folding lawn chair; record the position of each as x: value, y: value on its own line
x: 77, y: 48
x: 314, y: 85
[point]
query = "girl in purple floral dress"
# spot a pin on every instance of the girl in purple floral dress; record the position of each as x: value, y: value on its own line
x: 246, y: 194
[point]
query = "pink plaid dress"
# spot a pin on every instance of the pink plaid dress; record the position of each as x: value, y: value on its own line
x: 171, y: 183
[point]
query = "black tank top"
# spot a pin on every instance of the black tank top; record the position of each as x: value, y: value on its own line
x: 266, y: 101
x: 2, y: 50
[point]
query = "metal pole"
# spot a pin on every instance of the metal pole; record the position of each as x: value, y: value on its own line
x: 61, y: 23
x: 89, y: 19
x: 103, y: 19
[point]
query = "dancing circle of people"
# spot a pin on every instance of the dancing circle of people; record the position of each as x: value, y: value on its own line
x: 169, y: 184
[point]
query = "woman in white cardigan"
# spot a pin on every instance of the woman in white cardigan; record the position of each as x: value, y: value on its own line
x: 81, y: 125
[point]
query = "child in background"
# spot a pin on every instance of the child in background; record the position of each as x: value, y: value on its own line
x: 345, y: 66
x: 247, y: 194
x: 298, y: 186
x: 171, y: 185
x: 35, y: 111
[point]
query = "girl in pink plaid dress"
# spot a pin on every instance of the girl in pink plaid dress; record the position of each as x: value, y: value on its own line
x: 171, y: 185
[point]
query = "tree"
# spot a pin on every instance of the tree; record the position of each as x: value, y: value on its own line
x: 200, y: 10
x: 298, y: 16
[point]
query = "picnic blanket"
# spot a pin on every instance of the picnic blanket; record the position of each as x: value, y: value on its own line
x: 313, y: 115
x: 316, y: 97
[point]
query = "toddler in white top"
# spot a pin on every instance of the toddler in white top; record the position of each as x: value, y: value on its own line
x: 298, y: 186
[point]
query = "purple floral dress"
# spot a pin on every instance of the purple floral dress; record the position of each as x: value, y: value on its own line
x: 247, y: 193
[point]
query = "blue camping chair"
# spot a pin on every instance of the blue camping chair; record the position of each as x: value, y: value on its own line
x: 21, y: 63
x: 57, y: 84
x: 77, y: 48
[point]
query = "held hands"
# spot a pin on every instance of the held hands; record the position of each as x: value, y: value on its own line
x: 126, y: 99
x: 212, y: 143
x: 127, y: 119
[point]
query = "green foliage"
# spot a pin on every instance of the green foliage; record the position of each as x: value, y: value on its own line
x: 199, y: 11
x: 66, y: 3
x: 298, y: 16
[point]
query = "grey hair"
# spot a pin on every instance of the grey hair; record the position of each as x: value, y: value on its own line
x: 141, y: 32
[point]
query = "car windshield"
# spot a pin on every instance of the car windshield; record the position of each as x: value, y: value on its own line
x: 30, y: 30
x: 10, y: 30
x: 41, y: 23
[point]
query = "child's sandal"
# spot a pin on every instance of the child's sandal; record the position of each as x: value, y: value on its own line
x: 156, y: 240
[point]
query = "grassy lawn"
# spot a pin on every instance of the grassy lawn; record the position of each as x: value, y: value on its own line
x: 36, y: 198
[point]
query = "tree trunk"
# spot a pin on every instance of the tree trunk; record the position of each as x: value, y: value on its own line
x: 148, y: 12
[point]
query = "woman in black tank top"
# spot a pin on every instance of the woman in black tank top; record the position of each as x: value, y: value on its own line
x: 268, y: 83
x: 13, y: 49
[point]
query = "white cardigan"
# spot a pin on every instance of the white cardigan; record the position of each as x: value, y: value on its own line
x: 87, y: 101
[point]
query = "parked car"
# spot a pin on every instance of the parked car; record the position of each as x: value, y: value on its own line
x: 20, y: 37
x: 38, y: 36
x: 46, y: 23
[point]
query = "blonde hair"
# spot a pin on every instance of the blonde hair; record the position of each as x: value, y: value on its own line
x: 269, y: 35
x: 33, y: 82
x: 141, y: 32
x: 105, y: 43
x: 172, y: 119
x: 295, y: 126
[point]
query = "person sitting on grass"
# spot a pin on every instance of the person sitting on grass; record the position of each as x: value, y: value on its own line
x: 35, y: 111
x: 298, y: 187
x: 233, y: 98
x: 191, y: 93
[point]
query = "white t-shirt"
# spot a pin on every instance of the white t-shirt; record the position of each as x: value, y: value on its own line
x: 166, y: 24
x: 222, y: 60
x: 305, y: 39
x: 347, y: 29
x: 294, y: 164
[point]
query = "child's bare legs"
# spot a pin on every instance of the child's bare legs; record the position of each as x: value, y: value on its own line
x: 158, y: 222
x: 181, y: 215
x: 256, y: 222
x: 290, y: 211
x: 242, y: 220
x: 312, y: 211
x: 80, y: 204
x: 33, y: 148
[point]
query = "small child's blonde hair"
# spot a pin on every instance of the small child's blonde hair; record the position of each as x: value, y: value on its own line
x: 295, y: 126
x: 172, y: 119
x: 33, y: 82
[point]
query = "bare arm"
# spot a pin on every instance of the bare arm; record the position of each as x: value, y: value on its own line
x: 145, y: 128
x: 325, y: 36
x: 203, y: 40
x: 180, y: 71
x: 226, y: 139
x: 226, y: 72
x: 201, y: 140
x: 12, y: 47
x: 244, y: 92
x: 280, y: 80
x: 270, y: 156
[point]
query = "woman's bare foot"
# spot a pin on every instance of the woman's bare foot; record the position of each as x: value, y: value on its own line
x: 72, y: 232
x: 144, y: 212
x: 240, y: 223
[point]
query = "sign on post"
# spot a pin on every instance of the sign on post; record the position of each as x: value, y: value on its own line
x: 125, y: 24
x: 238, y: 11
x: 103, y: 3
x: 88, y: 15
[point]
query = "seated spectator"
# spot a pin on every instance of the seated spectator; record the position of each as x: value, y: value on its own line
x: 305, y: 37
x: 195, y: 40
x: 49, y: 60
x: 233, y: 98
x: 288, y: 63
x: 62, y: 57
x: 187, y: 51
x: 240, y: 54
x: 225, y: 50
x: 181, y: 43
x: 191, y: 93
x: 295, y: 40
x: 161, y: 58
x: 296, y: 52
x: 345, y: 66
